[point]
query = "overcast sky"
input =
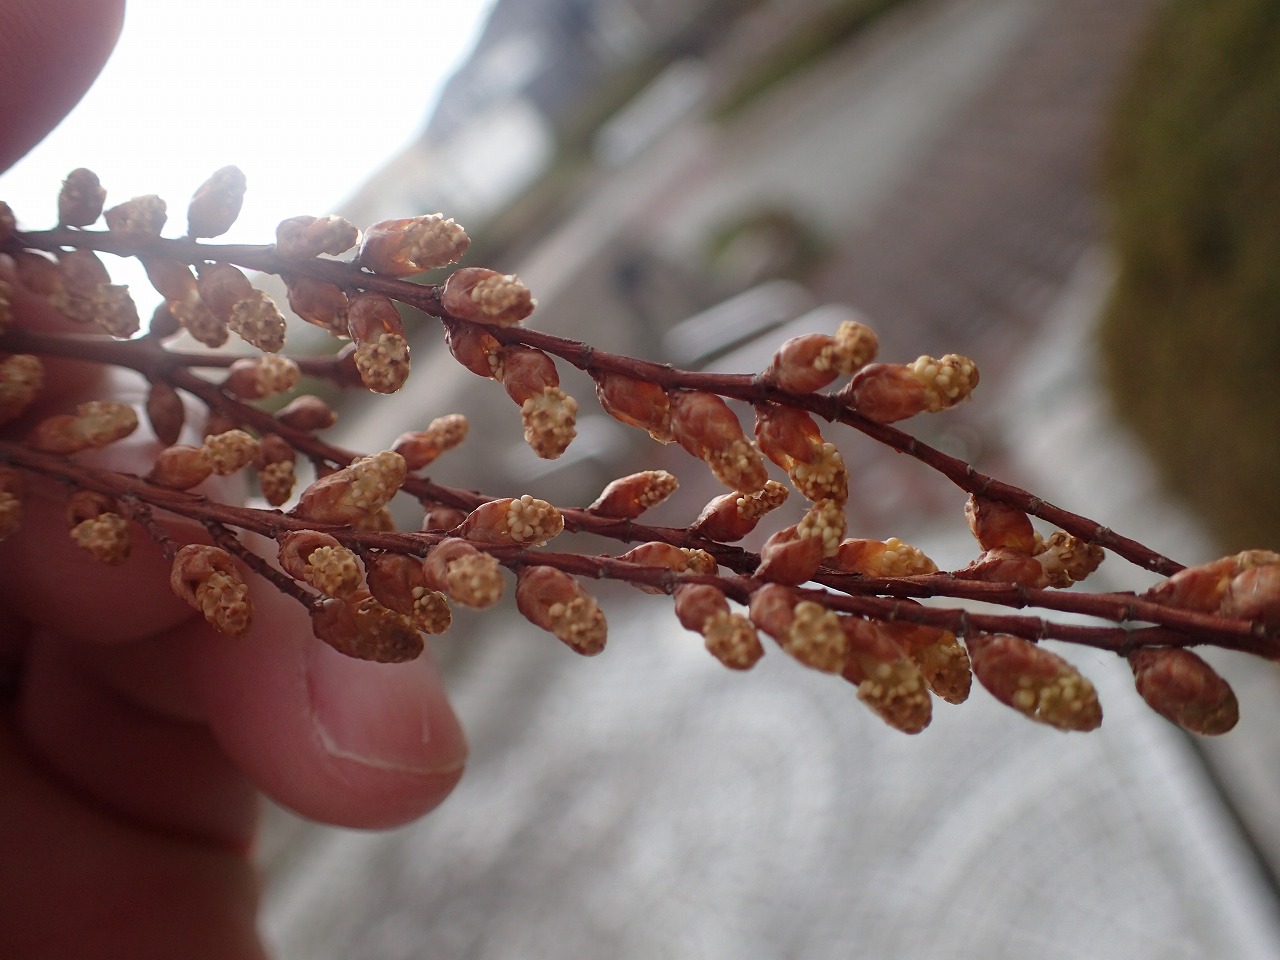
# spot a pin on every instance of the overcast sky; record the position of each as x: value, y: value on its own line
x: 308, y: 97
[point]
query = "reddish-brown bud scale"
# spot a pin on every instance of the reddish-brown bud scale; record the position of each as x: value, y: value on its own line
x: 885, y: 393
x: 881, y: 558
x: 734, y: 515
x: 221, y: 287
x: 307, y: 412
x: 995, y: 524
x: 208, y: 579
x: 472, y: 578
x: 1184, y: 690
x: 398, y: 583
x: 1003, y: 565
x: 666, y: 556
x: 787, y: 557
x: 438, y: 517
x: 1254, y: 594
x: 636, y: 402
x: 400, y: 248
x: 1038, y: 684
x: 704, y: 425
x: 354, y: 493
x: 320, y: 560
x: 477, y: 293
x: 172, y: 279
x: 473, y: 348
x: 362, y: 628
x: 887, y: 680
x: 420, y: 448
x: 81, y: 198
x: 165, y: 412
x: 319, y: 303
x: 556, y: 602
x: 180, y: 467
x: 525, y: 372
x: 628, y: 497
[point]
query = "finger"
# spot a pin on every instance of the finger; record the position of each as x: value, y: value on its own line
x: 82, y: 883
x: 336, y: 739
x: 50, y: 52
x: 167, y: 774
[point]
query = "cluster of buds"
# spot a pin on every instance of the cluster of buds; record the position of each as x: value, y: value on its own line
x: 1244, y: 585
x: 529, y: 376
x: 1015, y: 553
x: 374, y: 593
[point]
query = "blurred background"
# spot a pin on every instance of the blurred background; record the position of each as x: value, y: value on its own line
x: 1080, y: 194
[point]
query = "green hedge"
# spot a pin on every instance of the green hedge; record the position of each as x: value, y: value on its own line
x: 1192, y: 335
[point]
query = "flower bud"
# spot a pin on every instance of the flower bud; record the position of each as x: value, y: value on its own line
x: 307, y: 412
x: 734, y: 515
x: 180, y: 467
x: 257, y: 320
x: 729, y: 637
x: 938, y: 655
x: 230, y: 451
x: 1184, y: 690
x: 400, y: 248
x: 301, y: 238
x: 1065, y: 560
x: 787, y: 557
x: 704, y: 425
x: 1254, y: 594
x: 667, y: 556
x: 1038, y: 684
x: 524, y: 520
x: 140, y: 218
x: 81, y: 198
x: 882, y: 558
x: 96, y: 424
x: 887, y: 680
x: 472, y: 578
x: 194, y: 316
x: 382, y: 353
x: 209, y: 581
x: 216, y: 203
x: 398, y: 583
x: 422, y: 447
x: 628, y: 497
x: 319, y: 303
x: 810, y: 362
x: 791, y: 439
x: 252, y: 378
x: 997, y: 524
x: 21, y: 379
x: 320, y: 560
x: 556, y: 602
x: 804, y: 629
x: 355, y: 492
x: 221, y: 287
x: 360, y: 627
x: 477, y: 293
x: 105, y: 537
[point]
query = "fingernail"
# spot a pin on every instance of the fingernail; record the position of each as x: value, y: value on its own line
x: 392, y: 716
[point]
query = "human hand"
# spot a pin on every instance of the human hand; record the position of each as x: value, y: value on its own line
x: 134, y: 739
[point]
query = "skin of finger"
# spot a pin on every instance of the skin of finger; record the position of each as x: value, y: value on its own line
x: 337, y: 740
x: 169, y: 775
x: 80, y: 882
x: 50, y: 52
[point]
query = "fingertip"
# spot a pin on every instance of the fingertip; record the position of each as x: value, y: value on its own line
x: 337, y: 740
x: 50, y: 53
